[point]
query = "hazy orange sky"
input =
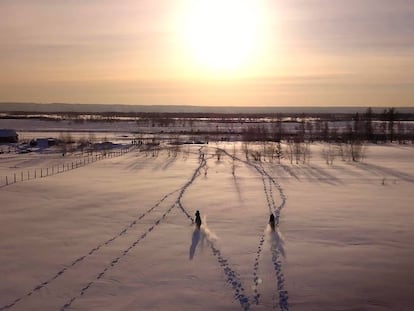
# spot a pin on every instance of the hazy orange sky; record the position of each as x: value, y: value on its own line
x: 199, y: 52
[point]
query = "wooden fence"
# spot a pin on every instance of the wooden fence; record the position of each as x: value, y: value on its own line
x: 35, y: 173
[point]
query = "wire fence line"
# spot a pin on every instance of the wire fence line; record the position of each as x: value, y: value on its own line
x: 35, y: 173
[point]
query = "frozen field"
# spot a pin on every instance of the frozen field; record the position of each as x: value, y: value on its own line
x: 117, y: 234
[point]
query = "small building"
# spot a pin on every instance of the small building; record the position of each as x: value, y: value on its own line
x: 43, y: 142
x: 8, y: 136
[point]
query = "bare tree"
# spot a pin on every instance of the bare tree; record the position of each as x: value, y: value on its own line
x: 297, y: 150
x: 290, y: 149
x: 306, y: 152
x: 256, y: 155
x: 329, y: 153
x: 279, y: 151
x: 245, y: 148
x: 233, y: 166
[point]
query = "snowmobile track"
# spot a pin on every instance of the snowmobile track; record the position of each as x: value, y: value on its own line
x: 112, y: 264
x: 122, y: 232
x: 231, y: 275
x: 275, y: 210
x: 256, y: 295
x: 117, y: 259
x: 277, y: 264
x: 83, y: 257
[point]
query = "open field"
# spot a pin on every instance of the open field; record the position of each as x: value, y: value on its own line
x: 118, y: 233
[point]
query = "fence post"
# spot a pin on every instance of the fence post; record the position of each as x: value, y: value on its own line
x: 28, y: 175
x: 14, y: 177
x: 21, y: 176
x: 7, y: 181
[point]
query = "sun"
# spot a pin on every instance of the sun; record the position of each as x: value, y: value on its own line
x: 222, y: 35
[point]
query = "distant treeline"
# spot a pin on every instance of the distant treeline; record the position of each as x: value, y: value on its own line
x: 387, y: 125
x: 250, y: 110
x: 374, y: 115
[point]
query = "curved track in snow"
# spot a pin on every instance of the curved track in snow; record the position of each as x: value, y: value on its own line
x: 275, y: 248
x: 116, y: 260
x: 123, y: 232
x: 231, y: 276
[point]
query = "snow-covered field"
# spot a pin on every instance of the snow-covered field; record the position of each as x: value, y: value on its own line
x: 117, y: 234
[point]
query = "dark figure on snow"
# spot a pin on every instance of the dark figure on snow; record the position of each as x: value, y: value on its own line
x: 198, y: 219
x: 272, y: 222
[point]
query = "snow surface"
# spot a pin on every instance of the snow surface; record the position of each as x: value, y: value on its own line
x: 117, y: 234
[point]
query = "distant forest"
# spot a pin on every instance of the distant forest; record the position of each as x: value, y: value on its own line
x: 101, y: 108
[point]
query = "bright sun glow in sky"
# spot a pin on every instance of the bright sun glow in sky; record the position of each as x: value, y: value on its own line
x: 222, y: 35
x: 208, y: 52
